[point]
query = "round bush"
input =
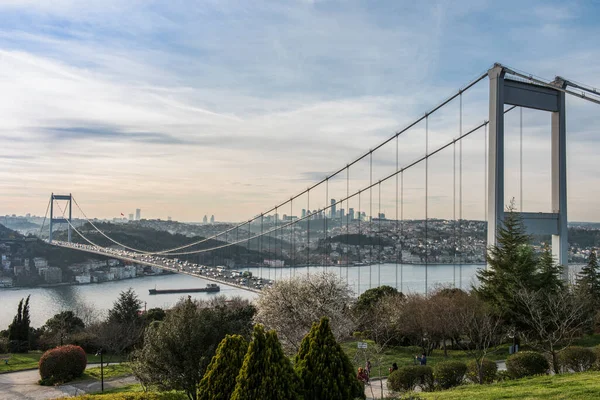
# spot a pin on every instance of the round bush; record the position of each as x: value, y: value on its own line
x: 489, y: 370
x: 448, y: 374
x: 577, y: 359
x: 526, y: 363
x: 407, y: 378
x: 62, y: 364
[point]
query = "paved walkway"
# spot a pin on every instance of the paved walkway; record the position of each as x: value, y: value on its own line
x: 23, y: 386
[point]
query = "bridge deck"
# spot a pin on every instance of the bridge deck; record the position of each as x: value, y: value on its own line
x: 151, y: 264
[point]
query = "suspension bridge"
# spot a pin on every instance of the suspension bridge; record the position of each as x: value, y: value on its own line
x: 432, y: 193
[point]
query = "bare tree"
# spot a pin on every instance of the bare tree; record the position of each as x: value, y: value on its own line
x: 554, y: 320
x: 291, y: 306
x: 481, y: 329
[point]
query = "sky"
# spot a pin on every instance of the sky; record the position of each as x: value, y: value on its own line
x: 227, y: 108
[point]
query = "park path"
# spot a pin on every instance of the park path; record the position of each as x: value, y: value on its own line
x: 23, y: 385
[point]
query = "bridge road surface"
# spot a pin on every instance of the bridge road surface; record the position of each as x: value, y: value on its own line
x: 136, y: 258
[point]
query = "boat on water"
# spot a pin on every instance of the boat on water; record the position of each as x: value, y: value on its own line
x: 210, y: 288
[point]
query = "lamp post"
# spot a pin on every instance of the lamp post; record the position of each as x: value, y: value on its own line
x: 101, y: 353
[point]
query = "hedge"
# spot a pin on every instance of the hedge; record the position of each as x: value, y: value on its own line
x: 577, y: 359
x: 526, y: 363
x: 489, y: 371
x: 448, y: 374
x: 62, y: 364
x: 407, y: 378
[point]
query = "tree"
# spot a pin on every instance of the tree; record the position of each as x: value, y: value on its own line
x: 266, y: 374
x: 553, y: 320
x: 155, y: 314
x: 481, y: 328
x: 18, y: 330
x: 550, y: 273
x: 324, y: 369
x: 291, y: 306
x: 177, y: 351
x: 127, y: 308
x: 372, y: 296
x: 588, y: 280
x: 512, y: 266
x: 63, y: 324
x: 218, y: 382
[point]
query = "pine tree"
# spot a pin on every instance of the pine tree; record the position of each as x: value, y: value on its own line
x: 550, y: 273
x: 127, y: 308
x: 324, y: 369
x: 512, y: 266
x: 218, y: 382
x: 266, y: 373
x: 588, y: 280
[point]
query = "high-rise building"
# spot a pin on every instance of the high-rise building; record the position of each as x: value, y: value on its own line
x: 205, y: 220
x: 333, y: 213
x: 351, y: 214
x: 381, y: 216
x: 169, y: 219
x: 138, y: 214
x: 131, y: 217
x: 303, y: 212
x: 342, y: 213
x: 212, y: 219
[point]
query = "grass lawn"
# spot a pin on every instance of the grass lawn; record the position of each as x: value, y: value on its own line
x: 111, y: 371
x: 581, y: 386
x: 405, y: 356
x: 133, y: 392
x: 20, y: 362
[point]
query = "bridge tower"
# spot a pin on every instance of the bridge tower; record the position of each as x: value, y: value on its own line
x: 528, y: 95
x: 61, y: 219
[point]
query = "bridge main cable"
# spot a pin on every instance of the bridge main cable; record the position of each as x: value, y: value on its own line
x: 369, y: 187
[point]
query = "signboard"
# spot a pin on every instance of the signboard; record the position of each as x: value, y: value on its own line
x: 362, y: 345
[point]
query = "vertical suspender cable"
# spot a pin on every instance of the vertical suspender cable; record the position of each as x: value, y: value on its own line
x: 397, y: 240
x: 426, y: 201
x: 292, y: 242
x: 308, y: 234
x: 370, y: 217
x: 347, y: 222
x: 326, y: 252
x: 485, y: 177
x: 261, y: 246
x: 359, y: 245
x: 460, y: 194
x: 401, y: 230
x: 379, y: 237
x: 454, y: 242
x: 521, y: 159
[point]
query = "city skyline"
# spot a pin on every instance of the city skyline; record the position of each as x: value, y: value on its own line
x: 176, y: 110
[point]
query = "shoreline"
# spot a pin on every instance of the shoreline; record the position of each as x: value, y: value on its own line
x: 53, y: 285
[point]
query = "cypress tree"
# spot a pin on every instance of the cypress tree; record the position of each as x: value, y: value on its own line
x: 325, y: 371
x: 14, y: 330
x: 588, y: 280
x: 218, y: 382
x: 266, y: 374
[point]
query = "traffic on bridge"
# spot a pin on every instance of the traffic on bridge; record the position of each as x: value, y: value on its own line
x: 220, y: 274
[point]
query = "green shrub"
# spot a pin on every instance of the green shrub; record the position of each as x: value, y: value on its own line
x: 448, y: 374
x: 526, y: 363
x: 489, y: 371
x: 88, y: 341
x: 407, y: 378
x: 578, y: 359
x: 502, y: 376
x: 596, y: 351
x: 62, y: 364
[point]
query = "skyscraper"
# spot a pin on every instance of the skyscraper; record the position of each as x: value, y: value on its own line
x: 212, y: 219
x: 303, y: 212
x: 351, y: 214
x: 138, y: 214
x: 205, y: 220
x: 131, y: 217
x: 332, y: 213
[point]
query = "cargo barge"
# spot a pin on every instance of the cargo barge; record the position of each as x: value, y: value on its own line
x: 210, y: 288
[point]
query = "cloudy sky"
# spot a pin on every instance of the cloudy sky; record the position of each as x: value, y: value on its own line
x: 187, y: 108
